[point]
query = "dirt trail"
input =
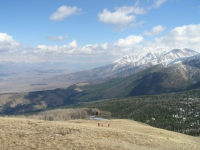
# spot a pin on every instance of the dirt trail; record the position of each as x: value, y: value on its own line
x: 86, y: 135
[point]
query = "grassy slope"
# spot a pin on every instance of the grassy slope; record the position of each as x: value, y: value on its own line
x: 85, y: 134
x: 161, y: 107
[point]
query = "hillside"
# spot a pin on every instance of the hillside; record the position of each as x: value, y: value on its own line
x: 85, y: 134
x: 174, y: 72
x: 154, y: 80
x: 33, y: 101
x: 151, y: 81
x: 126, y: 66
x: 178, y: 112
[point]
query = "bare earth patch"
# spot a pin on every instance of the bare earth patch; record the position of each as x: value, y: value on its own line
x: 82, y: 84
x: 18, y: 134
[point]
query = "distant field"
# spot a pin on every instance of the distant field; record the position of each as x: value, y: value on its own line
x: 86, y: 135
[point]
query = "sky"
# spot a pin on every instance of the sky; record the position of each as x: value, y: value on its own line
x: 95, y: 32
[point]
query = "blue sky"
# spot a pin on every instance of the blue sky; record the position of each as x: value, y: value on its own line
x: 95, y: 31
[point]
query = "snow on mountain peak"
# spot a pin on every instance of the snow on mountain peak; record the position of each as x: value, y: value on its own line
x: 153, y: 58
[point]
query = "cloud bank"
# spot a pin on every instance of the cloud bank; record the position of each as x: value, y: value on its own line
x: 187, y: 36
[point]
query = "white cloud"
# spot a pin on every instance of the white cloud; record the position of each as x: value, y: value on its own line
x: 108, y: 51
x: 118, y: 18
x: 126, y: 16
x: 73, y: 44
x: 157, y: 3
x: 47, y: 49
x: 64, y: 11
x: 155, y: 30
x: 104, y: 46
x: 59, y: 38
x: 122, y: 16
x: 187, y: 36
x: 136, y: 9
x: 7, y: 43
x: 71, y: 48
x: 129, y: 41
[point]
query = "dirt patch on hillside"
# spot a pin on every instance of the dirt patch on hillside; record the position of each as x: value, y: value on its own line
x: 82, y: 84
x: 86, y: 135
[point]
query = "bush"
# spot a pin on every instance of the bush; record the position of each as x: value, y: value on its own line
x: 66, y: 114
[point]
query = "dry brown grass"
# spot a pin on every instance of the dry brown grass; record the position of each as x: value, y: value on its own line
x: 65, y: 114
x: 22, y: 133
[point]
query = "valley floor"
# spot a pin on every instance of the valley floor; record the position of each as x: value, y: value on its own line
x: 20, y: 134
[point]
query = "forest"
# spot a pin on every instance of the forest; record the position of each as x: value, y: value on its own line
x: 179, y: 112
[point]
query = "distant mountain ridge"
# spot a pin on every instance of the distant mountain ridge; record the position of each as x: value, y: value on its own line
x: 153, y: 58
x: 155, y: 93
x: 128, y: 65
x: 48, y: 76
x: 176, y: 75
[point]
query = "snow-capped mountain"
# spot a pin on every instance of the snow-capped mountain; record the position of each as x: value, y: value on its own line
x: 153, y: 58
x: 129, y: 65
x: 134, y: 63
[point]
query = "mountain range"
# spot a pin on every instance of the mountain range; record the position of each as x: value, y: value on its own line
x: 128, y: 65
x: 172, y: 74
x: 48, y: 76
x: 150, y: 74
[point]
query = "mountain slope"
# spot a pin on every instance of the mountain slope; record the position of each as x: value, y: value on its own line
x: 179, y: 75
x: 179, y: 112
x: 126, y: 66
x: 155, y: 80
x: 85, y: 134
x: 46, y: 76
x: 153, y: 58
x: 35, y: 101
